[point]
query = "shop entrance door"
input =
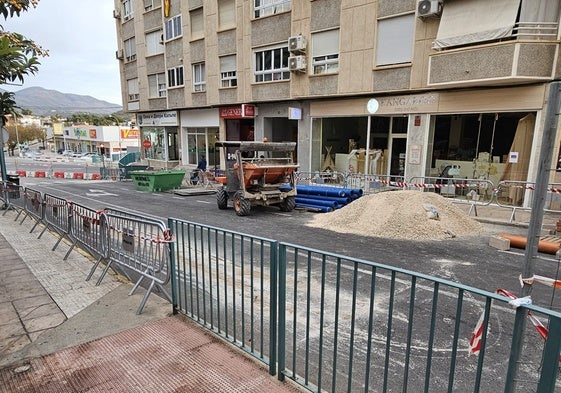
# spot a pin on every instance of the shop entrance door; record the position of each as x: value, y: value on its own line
x: 397, y: 150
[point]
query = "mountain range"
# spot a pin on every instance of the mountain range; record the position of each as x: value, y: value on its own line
x: 44, y: 102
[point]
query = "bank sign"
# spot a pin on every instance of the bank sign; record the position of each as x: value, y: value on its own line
x: 168, y: 118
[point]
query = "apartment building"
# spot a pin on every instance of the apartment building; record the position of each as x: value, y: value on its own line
x: 410, y: 86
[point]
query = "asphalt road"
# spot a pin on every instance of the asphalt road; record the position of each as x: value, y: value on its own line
x: 470, y: 261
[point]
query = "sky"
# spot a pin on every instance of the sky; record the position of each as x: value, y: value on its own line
x: 81, y: 38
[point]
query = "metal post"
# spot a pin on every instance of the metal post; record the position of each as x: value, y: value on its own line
x: 2, y: 158
x: 536, y: 217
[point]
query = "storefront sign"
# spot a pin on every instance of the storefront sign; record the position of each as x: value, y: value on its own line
x: 127, y: 133
x: 417, y: 103
x: 93, y: 134
x: 168, y: 118
x: 237, y: 112
x: 294, y: 113
x: 513, y: 157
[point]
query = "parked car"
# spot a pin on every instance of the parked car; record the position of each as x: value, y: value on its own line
x: 67, y: 153
x: 32, y: 154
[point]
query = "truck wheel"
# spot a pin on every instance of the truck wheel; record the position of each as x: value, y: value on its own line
x: 242, y: 206
x: 288, y: 204
x: 222, y: 199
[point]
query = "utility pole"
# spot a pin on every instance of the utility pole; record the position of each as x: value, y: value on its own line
x: 536, y: 221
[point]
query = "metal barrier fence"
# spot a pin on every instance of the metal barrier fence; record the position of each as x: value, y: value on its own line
x: 33, y: 206
x: 56, y: 217
x: 476, y: 191
x: 138, y: 245
x: 226, y: 281
x: 368, y: 183
x: 348, y: 325
x: 513, y: 195
x: 13, y: 198
x: 85, y: 230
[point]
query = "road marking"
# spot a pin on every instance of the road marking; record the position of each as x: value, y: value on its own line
x: 207, y: 202
x: 96, y: 193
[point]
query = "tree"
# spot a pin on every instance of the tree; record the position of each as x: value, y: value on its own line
x: 18, y: 54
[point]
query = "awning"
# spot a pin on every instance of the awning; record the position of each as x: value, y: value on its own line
x: 465, y: 22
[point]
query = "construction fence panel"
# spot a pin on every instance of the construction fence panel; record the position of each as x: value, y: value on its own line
x: 56, y: 217
x: 85, y: 230
x: 371, y: 184
x: 518, y: 195
x: 139, y: 245
x: 349, y: 325
x: 460, y: 190
x: 226, y: 281
x: 33, y: 206
x: 14, y: 198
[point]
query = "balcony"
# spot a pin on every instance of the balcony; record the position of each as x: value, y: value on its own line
x: 527, y: 55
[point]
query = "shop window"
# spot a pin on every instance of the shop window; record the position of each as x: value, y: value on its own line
x: 325, y: 52
x: 200, y: 142
x: 394, y: 40
x: 272, y: 64
x: 270, y: 7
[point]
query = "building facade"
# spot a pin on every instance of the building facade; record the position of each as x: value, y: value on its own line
x: 395, y: 87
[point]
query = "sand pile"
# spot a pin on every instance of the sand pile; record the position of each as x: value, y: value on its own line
x: 400, y: 215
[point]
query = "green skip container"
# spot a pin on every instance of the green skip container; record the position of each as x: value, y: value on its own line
x: 157, y: 180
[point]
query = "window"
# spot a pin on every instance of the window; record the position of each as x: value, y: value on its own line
x: 132, y: 88
x: 157, y: 85
x: 173, y: 27
x: 270, y: 7
x: 272, y: 64
x: 394, y: 43
x: 151, y: 4
x: 130, y: 49
x: 199, y: 77
x: 228, y: 76
x: 226, y: 14
x: 197, y: 24
x: 325, y: 52
x: 154, y: 43
x: 128, y: 7
x: 175, y: 76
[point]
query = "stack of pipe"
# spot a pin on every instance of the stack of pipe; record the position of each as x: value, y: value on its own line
x: 325, y: 198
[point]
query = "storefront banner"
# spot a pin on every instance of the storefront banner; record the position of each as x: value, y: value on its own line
x: 127, y: 133
x: 238, y: 112
x: 168, y: 118
x: 93, y: 134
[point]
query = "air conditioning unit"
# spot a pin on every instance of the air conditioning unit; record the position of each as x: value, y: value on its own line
x: 297, y: 63
x: 297, y: 44
x: 116, y: 14
x: 120, y: 54
x: 428, y: 8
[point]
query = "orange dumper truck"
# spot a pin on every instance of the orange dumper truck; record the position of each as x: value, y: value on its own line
x: 259, y: 173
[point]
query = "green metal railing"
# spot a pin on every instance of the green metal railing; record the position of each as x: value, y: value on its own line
x: 347, y: 325
x: 226, y: 281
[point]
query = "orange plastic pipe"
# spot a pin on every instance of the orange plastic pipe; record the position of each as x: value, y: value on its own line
x: 520, y: 242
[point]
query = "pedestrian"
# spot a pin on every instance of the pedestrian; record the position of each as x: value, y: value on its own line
x: 201, y: 166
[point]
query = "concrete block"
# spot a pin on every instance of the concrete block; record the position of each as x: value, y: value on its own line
x: 499, y: 243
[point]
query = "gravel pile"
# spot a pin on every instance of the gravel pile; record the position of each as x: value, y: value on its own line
x: 411, y: 215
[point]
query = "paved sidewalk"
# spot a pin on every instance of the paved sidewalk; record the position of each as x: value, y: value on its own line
x: 59, y: 333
